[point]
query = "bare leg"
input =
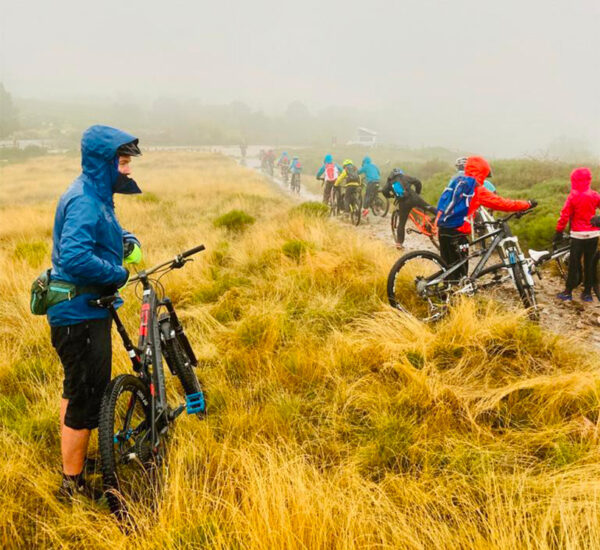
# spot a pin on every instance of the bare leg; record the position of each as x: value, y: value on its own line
x: 74, y: 444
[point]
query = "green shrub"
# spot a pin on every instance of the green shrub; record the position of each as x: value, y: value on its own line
x: 235, y: 220
x: 312, y: 208
x: 296, y: 249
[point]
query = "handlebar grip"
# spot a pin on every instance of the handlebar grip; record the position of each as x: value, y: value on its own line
x: 193, y: 251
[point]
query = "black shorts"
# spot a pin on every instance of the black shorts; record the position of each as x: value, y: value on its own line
x: 85, y: 352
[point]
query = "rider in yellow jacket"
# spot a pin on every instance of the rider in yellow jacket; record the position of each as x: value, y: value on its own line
x: 348, y: 181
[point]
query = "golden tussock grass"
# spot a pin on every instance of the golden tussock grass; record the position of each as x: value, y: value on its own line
x: 333, y: 422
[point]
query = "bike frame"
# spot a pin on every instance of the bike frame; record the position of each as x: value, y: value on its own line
x: 421, y: 225
x: 502, y: 238
x: 147, y: 358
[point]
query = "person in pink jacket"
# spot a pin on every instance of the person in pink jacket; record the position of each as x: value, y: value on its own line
x: 578, y: 211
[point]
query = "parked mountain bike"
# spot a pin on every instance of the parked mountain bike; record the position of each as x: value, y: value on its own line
x: 424, y: 223
x: 420, y: 283
x: 135, y: 417
x: 295, y: 183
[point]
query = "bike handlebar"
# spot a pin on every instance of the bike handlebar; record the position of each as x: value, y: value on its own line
x: 193, y: 251
x: 497, y: 221
x: 174, y: 263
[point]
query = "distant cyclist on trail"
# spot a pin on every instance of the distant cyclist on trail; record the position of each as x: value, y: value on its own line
x: 329, y: 173
x: 347, y: 184
x: 458, y: 204
x: 283, y: 163
x: 578, y: 212
x: 87, y: 252
x: 372, y: 176
x: 406, y: 190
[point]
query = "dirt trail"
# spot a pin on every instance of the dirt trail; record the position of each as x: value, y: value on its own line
x: 572, y: 318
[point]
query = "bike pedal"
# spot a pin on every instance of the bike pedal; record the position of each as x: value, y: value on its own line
x: 195, y: 403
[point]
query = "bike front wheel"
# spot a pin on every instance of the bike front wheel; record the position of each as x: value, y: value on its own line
x: 182, y: 367
x: 125, y: 442
x: 409, y: 285
x: 526, y: 292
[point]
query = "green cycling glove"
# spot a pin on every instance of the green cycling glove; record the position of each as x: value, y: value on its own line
x: 134, y: 256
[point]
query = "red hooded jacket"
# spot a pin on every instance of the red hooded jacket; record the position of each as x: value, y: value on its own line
x: 478, y: 168
x: 581, y: 204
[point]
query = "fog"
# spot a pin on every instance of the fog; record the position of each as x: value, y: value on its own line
x: 500, y: 78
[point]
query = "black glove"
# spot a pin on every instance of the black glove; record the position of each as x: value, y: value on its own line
x: 596, y: 221
x: 558, y: 236
x: 532, y: 203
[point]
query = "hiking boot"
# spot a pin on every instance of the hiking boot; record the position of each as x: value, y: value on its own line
x: 399, y: 246
x: 587, y: 297
x: 565, y: 296
x: 73, y: 487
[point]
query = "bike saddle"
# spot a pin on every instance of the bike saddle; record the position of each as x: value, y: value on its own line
x: 538, y: 255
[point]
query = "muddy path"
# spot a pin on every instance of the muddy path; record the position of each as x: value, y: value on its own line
x: 578, y: 319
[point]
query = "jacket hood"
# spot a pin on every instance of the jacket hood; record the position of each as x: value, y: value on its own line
x: 328, y: 159
x: 99, y: 161
x: 581, y: 179
x: 366, y: 160
x: 478, y: 168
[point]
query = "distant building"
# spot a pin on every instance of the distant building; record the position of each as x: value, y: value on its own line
x: 366, y: 137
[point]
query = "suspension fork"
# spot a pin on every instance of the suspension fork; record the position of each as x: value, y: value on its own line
x: 179, y: 332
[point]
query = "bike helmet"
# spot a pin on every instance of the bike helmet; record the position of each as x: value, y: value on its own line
x: 396, y: 172
x: 130, y: 149
x: 460, y: 163
x: 347, y: 162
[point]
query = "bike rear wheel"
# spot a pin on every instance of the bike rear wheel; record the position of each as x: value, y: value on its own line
x: 408, y: 290
x: 124, y: 438
x: 355, y: 204
x: 380, y: 205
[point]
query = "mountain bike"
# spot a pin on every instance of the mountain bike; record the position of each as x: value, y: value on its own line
x: 424, y: 223
x: 353, y: 200
x: 285, y: 172
x: 135, y: 416
x: 420, y: 283
x: 295, y: 183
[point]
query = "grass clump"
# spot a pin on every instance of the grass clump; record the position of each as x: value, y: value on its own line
x: 295, y: 249
x: 312, y: 208
x: 33, y: 252
x: 235, y: 221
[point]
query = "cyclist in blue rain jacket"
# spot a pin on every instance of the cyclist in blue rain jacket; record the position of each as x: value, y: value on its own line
x: 88, y: 251
x: 372, y: 177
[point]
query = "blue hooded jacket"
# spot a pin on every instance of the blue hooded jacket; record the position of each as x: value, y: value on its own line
x: 87, y: 238
x: 370, y: 171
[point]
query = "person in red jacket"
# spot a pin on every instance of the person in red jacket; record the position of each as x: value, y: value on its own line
x: 578, y: 211
x: 464, y: 195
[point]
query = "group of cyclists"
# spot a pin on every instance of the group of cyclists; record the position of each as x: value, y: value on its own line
x: 459, y: 205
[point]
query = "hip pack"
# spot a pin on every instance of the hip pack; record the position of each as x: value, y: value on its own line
x: 46, y: 292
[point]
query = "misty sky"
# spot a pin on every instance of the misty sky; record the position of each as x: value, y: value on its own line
x: 503, y: 77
